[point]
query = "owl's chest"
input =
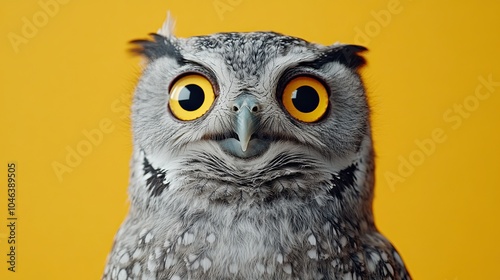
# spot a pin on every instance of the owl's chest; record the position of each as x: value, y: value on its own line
x: 279, y: 241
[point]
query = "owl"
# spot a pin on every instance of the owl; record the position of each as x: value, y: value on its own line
x: 252, y: 159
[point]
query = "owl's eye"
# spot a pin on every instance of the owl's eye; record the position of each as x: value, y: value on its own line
x: 190, y: 97
x: 305, y: 98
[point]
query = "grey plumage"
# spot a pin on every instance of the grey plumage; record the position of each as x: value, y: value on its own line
x: 297, y: 204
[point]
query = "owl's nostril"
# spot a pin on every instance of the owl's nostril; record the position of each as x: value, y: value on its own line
x: 244, y: 102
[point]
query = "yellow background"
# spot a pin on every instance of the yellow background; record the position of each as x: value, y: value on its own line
x: 71, y: 75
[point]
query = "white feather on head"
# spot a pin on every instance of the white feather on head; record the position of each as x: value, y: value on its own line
x: 167, y: 29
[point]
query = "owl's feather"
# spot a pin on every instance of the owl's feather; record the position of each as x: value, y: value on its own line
x: 167, y: 29
x: 298, y: 206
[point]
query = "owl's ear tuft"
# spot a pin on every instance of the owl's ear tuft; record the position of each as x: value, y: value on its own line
x: 347, y: 55
x: 155, y: 48
x: 167, y: 29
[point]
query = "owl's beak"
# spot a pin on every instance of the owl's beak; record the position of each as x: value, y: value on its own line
x: 246, y: 118
x: 245, y: 126
x: 245, y: 139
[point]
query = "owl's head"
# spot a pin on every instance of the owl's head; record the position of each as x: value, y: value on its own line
x: 247, y: 99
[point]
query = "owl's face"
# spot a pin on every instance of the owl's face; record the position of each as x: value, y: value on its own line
x: 246, y: 97
x: 252, y: 158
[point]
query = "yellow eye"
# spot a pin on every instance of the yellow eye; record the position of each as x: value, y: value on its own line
x: 190, y: 97
x: 305, y: 98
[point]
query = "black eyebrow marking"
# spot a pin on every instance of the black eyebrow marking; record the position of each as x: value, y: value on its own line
x: 347, y: 55
x: 156, y: 47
